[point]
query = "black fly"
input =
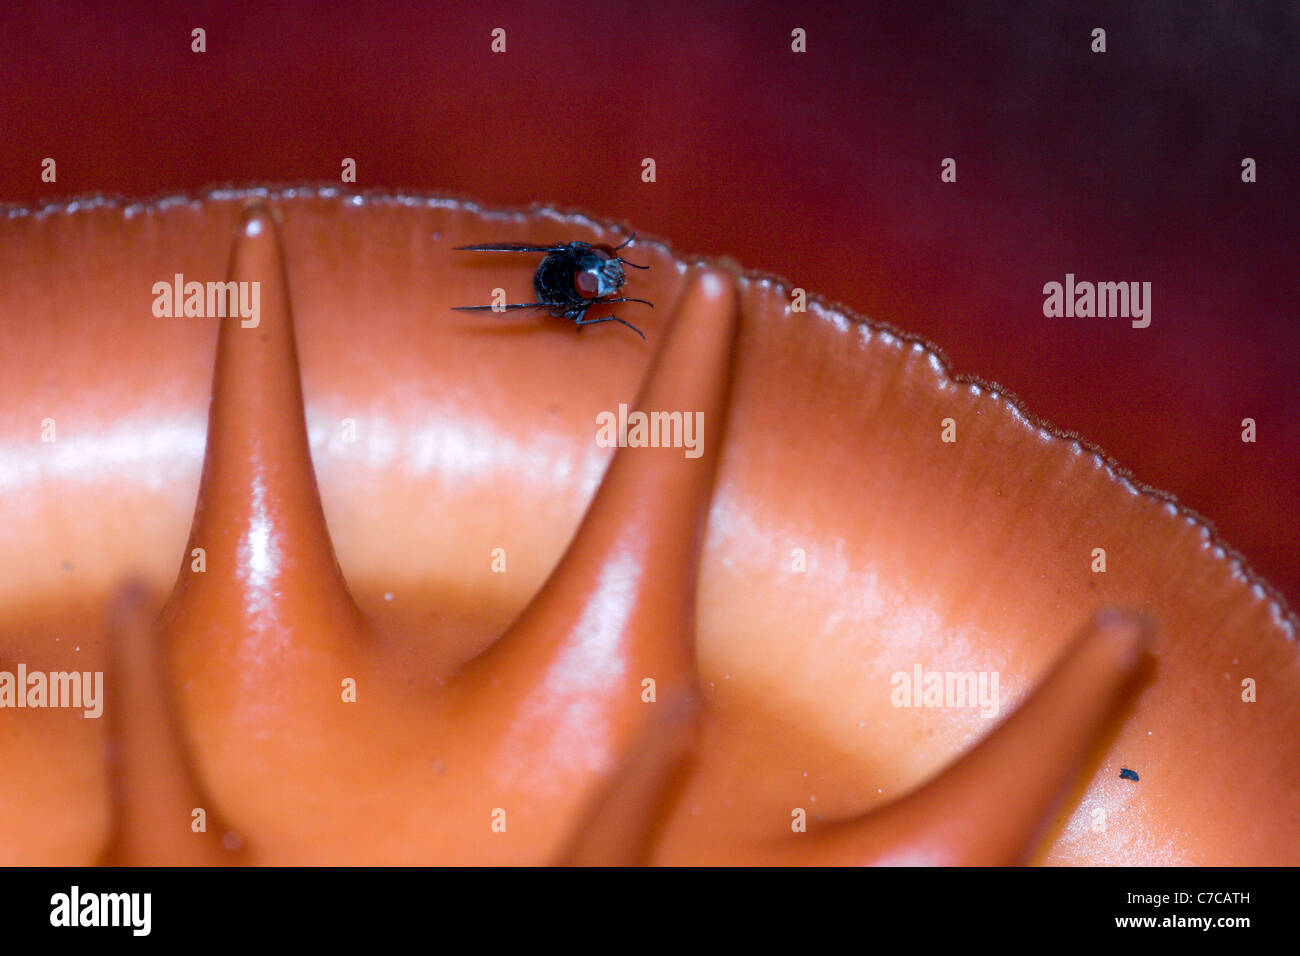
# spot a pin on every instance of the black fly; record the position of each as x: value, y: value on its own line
x: 571, y: 279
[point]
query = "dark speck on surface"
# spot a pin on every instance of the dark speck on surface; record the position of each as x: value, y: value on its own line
x: 1126, y: 774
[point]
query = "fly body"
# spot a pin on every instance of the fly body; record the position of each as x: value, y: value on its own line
x: 570, y: 280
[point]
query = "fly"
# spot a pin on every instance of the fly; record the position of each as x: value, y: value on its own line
x: 571, y: 279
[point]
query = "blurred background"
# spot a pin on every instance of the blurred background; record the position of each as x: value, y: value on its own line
x: 820, y: 166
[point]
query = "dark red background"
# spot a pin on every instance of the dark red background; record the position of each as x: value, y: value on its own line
x: 823, y: 167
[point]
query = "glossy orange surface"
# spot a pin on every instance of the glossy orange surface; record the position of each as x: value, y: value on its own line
x: 330, y: 559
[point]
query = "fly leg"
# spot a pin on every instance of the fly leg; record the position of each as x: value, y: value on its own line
x: 609, y: 318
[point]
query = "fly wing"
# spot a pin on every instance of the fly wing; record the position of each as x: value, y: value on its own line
x: 509, y: 247
x: 500, y: 308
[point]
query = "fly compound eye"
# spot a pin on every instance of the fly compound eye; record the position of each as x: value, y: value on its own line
x: 588, y: 282
x: 597, y: 275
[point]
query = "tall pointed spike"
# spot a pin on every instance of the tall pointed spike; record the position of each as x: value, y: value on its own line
x: 260, y: 604
x: 259, y: 517
x: 619, y: 608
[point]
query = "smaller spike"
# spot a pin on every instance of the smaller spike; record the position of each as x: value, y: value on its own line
x: 624, y: 821
x: 154, y: 791
x: 992, y: 806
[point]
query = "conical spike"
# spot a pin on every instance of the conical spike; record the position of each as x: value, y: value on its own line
x: 161, y: 817
x: 992, y: 806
